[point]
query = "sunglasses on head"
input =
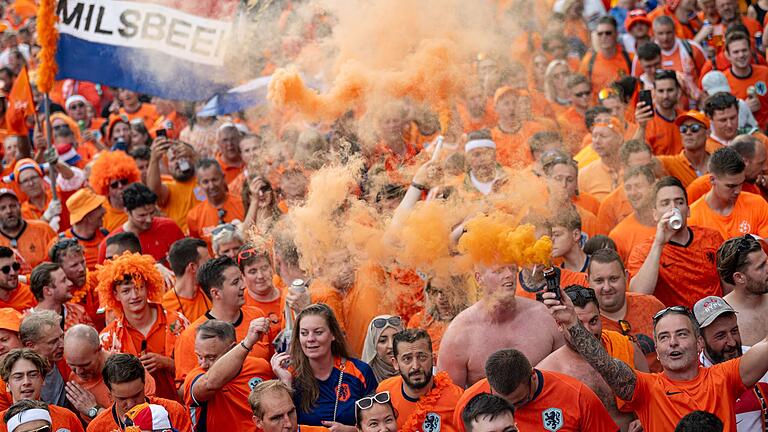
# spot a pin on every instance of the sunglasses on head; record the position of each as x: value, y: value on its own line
x: 367, y: 402
x: 117, y: 183
x: 585, y: 293
x: 394, y: 321
x: 248, y: 254
x: 222, y: 228
x: 680, y: 310
x: 607, y: 93
x: 7, y: 269
x: 694, y: 128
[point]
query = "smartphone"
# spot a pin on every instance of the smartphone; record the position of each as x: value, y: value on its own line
x: 162, y: 133
x: 646, y: 98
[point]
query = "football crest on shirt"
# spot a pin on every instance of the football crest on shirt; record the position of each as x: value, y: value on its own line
x: 552, y: 419
x: 745, y: 227
x: 253, y: 382
x: 760, y: 88
x: 431, y: 423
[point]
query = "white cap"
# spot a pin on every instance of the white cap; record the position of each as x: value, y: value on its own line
x: 715, y: 82
x: 27, y: 416
x: 75, y: 98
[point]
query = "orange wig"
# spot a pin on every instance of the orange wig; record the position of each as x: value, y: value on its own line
x: 140, y: 268
x: 111, y: 166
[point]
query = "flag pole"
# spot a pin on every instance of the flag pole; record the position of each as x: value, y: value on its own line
x: 48, y: 38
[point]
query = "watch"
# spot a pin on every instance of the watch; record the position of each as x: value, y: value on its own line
x: 91, y: 414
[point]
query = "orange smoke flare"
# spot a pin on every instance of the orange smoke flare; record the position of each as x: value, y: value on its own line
x: 492, y: 239
x: 48, y: 38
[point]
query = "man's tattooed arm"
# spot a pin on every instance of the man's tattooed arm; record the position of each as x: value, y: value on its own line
x: 616, y: 373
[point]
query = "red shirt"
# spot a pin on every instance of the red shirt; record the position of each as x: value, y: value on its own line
x: 155, y: 241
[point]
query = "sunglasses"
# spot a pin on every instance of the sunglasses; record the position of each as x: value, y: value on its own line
x: 607, y: 93
x: 680, y: 310
x: 248, y: 254
x: 7, y: 269
x: 605, y: 33
x: 394, y: 321
x: 585, y: 293
x: 694, y: 128
x: 583, y: 94
x: 117, y: 183
x: 367, y: 402
x: 222, y: 228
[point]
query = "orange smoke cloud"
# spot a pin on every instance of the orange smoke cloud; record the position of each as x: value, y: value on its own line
x: 492, y: 239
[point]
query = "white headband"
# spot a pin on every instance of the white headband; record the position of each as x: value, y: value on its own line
x: 478, y: 143
x: 75, y: 98
x: 27, y: 416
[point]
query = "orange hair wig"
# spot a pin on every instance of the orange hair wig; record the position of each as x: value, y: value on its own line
x: 111, y: 166
x: 141, y: 268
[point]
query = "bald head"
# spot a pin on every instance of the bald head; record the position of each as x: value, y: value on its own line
x: 82, y: 352
x: 82, y: 333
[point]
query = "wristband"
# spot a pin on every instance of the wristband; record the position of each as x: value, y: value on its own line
x: 420, y: 187
x: 242, y: 344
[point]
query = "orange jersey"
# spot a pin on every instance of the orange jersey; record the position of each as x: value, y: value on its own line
x: 20, y: 299
x: 204, y: 217
x: 660, y: 402
x: 619, y: 347
x: 663, y: 136
x: 106, y: 421
x: 62, y: 419
x: 679, y: 166
x: 602, y: 71
x: 614, y: 208
x: 230, y: 171
x: 560, y: 403
x: 699, y: 187
x: 687, y: 272
x: 113, y: 218
x: 512, y: 148
x: 748, y: 216
x: 184, y: 352
x: 630, y: 232
x: 638, y: 323
x: 574, y: 128
x: 587, y: 154
x: 228, y: 409
x: 598, y: 179
x: 439, y: 413
x: 362, y: 303
x: 190, y: 308
x: 321, y: 292
x: 758, y: 79
x: 31, y: 243
x: 146, y: 112
x: 273, y: 309
x: 586, y: 201
x: 182, y: 197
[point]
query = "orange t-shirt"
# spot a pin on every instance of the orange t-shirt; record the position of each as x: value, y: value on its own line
x: 181, y: 199
x: 173, y: 123
x: 757, y: 79
x: 687, y: 272
x: 273, y: 309
x: 587, y: 202
x: 598, y: 180
x: 605, y: 70
x: 614, y: 208
x: 31, y: 244
x: 439, y: 413
x: 628, y: 233
x: 679, y: 166
x: 574, y: 128
x: 230, y: 171
x: 619, y: 347
x: 178, y: 414
x: 62, y: 419
x: 90, y: 246
x: 699, y: 187
x: 567, y: 278
x: 113, y: 218
x: 321, y: 292
x: 660, y: 403
x: 146, y: 112
x: 184, y: 352
x: 190, y: 308
x: 589, y: 223
x: 558, y: 397
x: 204, y: 217
x: 512, y: 148
x: 21, y: 299
x: 748, y: 216
x: 663, y: 136
x: 587, y: 154
x: 639, y: 316
x: 229, y: 408
x: 362, y: 303
x: 101, y: 392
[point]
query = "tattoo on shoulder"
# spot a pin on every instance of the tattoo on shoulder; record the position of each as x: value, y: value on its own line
x: 616, y: 373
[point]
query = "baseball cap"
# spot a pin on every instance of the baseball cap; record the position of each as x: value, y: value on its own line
x: 10, y: 319
x: 709, y: 308
x: 6, y: 191
x: 636, y: 16
x: 693, y: 115
x: 149, y: 417
x: 715, y: 82
x: 83, y: 202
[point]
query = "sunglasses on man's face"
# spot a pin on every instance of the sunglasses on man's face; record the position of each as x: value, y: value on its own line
x: 117, y: 183
x: 7, y: 269
x: 694, y: 128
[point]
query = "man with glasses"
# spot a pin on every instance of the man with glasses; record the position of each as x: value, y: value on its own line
x: 677, y: 264
x: 543, y: 400
x: 741, y: 263
x: 722, y: 341
x: 661, y: 400
x: 156, y: 233
x: 572, y: 120
x: 80, y: 110
x: 726, y: 208
x: 602, y: 66
x: 29, y: 238
x: 13, y: 294
x: 436, y: 394
x: 489, y: 413
x: 220, y: 206
x: 691, y: 162
x: 40, y: 204
x: 110, y: 174
x: 566, y: 359
x: 217, y: 389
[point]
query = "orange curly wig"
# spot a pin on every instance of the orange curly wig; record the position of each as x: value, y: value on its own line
x: 111, y: 166
x: 139, y: 267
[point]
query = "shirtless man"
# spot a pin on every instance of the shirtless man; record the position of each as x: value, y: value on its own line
x: 502, y: 320
x: 567, y: 360
x: 742, y: 263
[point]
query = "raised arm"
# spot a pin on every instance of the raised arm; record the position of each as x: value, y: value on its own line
x: 616, y: 373
x: 644, y: 281
x: 159, y: 149
x: 754, y: 363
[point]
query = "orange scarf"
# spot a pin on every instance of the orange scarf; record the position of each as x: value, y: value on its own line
x: 427, y: 402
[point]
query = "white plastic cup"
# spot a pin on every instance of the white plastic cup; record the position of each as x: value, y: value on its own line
x: 676, y: 220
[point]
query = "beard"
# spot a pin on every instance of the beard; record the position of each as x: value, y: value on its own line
x: 183, y: 176
x: 720, y: 357
x: 418, y: 385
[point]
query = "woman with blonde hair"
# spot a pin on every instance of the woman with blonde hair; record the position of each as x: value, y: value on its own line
x: 377, y: 349
x: 326, y: 381
x: 555, y: 88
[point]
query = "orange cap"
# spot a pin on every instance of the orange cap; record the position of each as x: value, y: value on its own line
x: 636, y: 16
x: 693, y: 115
x: 10, y: 319
x: 83, y: 202
x: 501, y: 91
x: 614, y: 124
